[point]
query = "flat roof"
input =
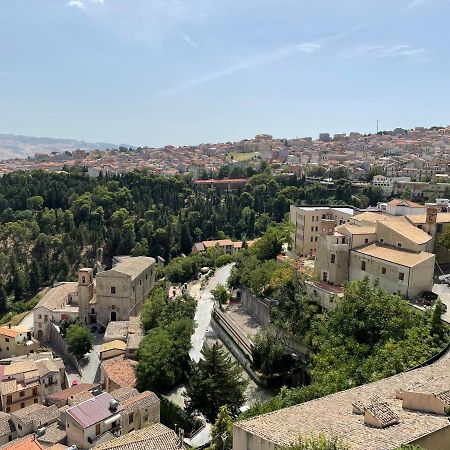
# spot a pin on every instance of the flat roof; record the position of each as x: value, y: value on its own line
x: 333, y: 414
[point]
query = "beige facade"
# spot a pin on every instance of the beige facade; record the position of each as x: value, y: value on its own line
x: 116, y: 294
x: 380, y: 247
x: 307, y: 223
x: 16, y: 341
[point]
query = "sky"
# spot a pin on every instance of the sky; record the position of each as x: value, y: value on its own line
x: 183, y: 72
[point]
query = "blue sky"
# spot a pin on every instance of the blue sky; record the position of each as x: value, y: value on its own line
x: 155, y: 72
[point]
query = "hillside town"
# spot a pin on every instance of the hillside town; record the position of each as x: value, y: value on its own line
x: 415, y: 160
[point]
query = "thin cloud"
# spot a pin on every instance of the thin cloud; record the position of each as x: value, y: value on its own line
x: 415, y: 4
x: 77, y: 4
x: 254, y: 61
x: 377, y: 51
x: 187, y: 38
x: 82, y: 4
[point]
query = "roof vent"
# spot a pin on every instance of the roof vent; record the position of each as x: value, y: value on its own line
x: 113, y: 404
x: 40, y: 432
x: 379, y: 415
x: 358, y: 407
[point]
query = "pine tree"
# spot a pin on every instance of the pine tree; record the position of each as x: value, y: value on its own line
x: 222, y: 431
x: 216, y: 380
x: 3, y: 300
x: 35, y: 276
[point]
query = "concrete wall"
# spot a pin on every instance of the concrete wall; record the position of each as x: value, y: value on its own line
x: 438, y: 440
x: 390, y: 237
x: 255, y: 306
x: 423, y: 402
x: 242, y: 440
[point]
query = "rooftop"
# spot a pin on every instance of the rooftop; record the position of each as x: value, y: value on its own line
x: 113, y: 345
x: 54, y: 298
x: 65, y: 394
x: 394, y: 255
x: 38, y: 414
x: 406, y: 203
x: 410, y: 232
x: 121, y: 371
x: 154, y: 437
x: 6, y: 426
x: 93, y: 411
x: 132, y: 266
x: 26, y: 443
x: 442, y: 217
x: 333, y: 414
x: 143, y: 400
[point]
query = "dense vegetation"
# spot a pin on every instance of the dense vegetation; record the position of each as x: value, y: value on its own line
x: 371, y: 334
x: 53, y: 223
x: 164, y: 352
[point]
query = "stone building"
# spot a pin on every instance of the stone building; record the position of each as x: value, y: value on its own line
x: 408, y: 408
x: 115, y: 294
x: 383, y: 247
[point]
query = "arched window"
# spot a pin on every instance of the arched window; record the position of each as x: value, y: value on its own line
x: 83, y: 280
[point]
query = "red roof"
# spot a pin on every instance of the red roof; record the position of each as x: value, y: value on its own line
x: 93, y: 410
x: 65, y: 394
x: 224, y: 181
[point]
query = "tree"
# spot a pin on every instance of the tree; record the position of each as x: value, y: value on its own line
x: 216, y: 380
x: 79, y: 340
x: 220, y: 294
x: 437, y: 326
x: 320, y: 442
x: 269, y: 353
x: 222, y: 431
x: 407, y: 193
x: 3, y: 300
x: 35, y: 276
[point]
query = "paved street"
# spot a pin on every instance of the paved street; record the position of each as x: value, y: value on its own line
x: 204, y: 308
x: 443, y: 290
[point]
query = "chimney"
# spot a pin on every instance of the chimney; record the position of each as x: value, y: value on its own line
x: 9, y: 325
x: 432, y: 213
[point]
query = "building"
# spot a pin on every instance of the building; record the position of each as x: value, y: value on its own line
x: 16, y: 341
x: 93, y: 420
x: 400, y: 207
x: 31, y: 418
x: 7, y: 429
x: 71, y: 395
x: 112, y: 349
x: 407, y: 408
x: 155, y: 437
x: 226, y: 245
x: 58, y: 303
x: 140, y: 410
x: 381, y: 247
x: 118, y: 372
x: 30, y: 381
x: 115, y: 294
x: 27, y: 443
x: 307, y: 219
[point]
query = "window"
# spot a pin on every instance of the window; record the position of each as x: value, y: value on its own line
x: 363, y: 265
x: 325, y: 276
x: 313, y: 218
x: 7, y: 349
x: 83, y: 280
x: 22, y: 405
x: 40, y: 316
x: 383, y: 270
x: 401, y: 276
x: 312, y: 228
x: 6, y: 339
x: 146, y: 276
x: 130, y: 418
x: 317, y: 228
x: 97, y: 429
x: 145, y: 418
x: 333, y: 258
x: 381, y: 240
x: 312, y: 239
x: 19, y: 427
x: 315, y: 239
x: 366, y: 241
x: 22, y: 394
x: 113, y: 289
x: 35, y: 400
x: 399, y: 244
x: 45, y: 318
x: 140, y: 282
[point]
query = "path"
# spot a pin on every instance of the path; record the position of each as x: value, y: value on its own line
x: 205, y: 305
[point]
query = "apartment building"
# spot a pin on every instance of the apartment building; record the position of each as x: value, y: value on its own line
x: 408, y: 408
x: 381, y: 247
x: 307, y: 222
x: 16, y: 341
x: 29, y: 382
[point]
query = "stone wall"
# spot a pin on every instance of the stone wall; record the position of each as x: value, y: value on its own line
x: 58, y: 345
x: 257, y: 307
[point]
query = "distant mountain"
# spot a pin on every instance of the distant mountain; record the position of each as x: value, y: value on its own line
x: 13, y: 146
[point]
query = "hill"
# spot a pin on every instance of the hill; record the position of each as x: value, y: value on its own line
x: 14, y: 146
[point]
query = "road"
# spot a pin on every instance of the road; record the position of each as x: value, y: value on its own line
x: 443, y: 290
x: 205, y: 305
